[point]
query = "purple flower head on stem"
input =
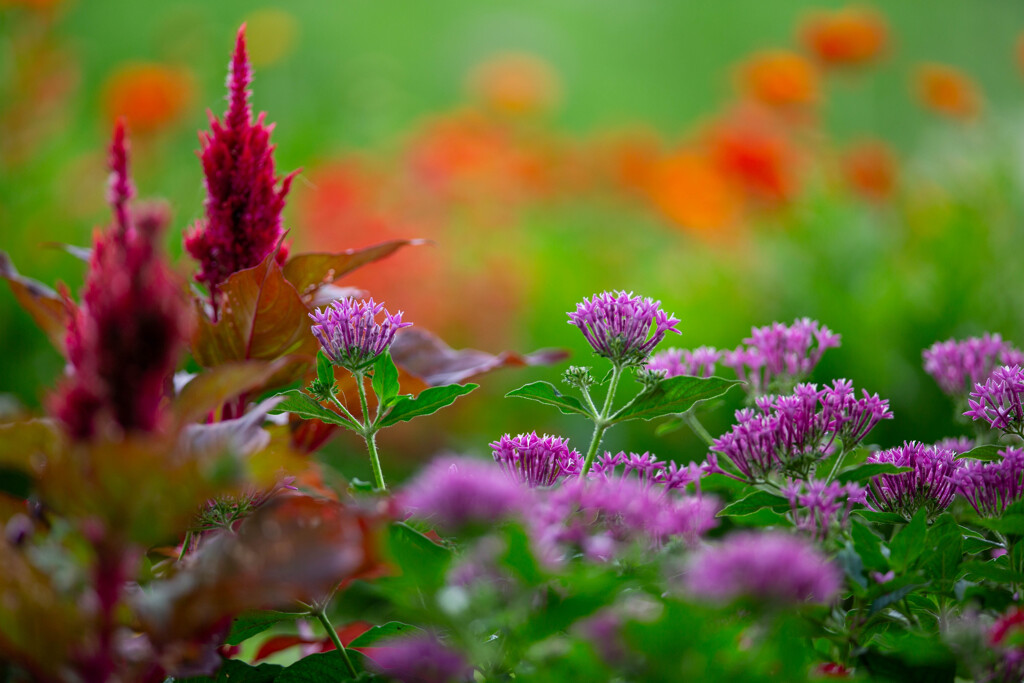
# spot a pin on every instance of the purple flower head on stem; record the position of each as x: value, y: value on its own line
x: 930, y: 483
x: 957, y: 444
x: 597, y: 517
x: 818, y: 507
x: 349, y: 332
x: 243, y: 199
x: 124, y: 340
x: 420, y: 659
x: 778, y: 356
x: 455, y: 492
x: 789, y: 434
x: 770, y: 567
x: 618, y: 326
x: 998, y: 400
x: 958, y: 365
x: 699, y: 362
x: 646, y: 469
x: 536, y: 460
x: 991, y: 486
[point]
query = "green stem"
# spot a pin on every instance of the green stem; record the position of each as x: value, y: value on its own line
x: 690, y: 418
x: 184, y: 546
x: 333, y: 635
x: 371, y: 447
x: 835, y: 467
x: 369, y: 433
x: 341, y: 406
x: 601, y: 423
x: 362, y: 397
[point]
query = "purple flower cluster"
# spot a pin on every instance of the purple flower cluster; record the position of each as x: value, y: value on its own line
x: 618, y: 326
x: 816, y: 506
x: 768, y: 567
x: 930, y: 483
x: 349, y: 332
x: 991, y: 486
x: 788, y: 434
x: 598, y: 517
x: 456, y: 492
x: 647, y: 469
x: 420, y: 659
x: 998, y: 400
x: 243, y: 202
x: 778, y: 356
x: 123, y: 342
x: 957, y: 444
x: 958, y: 365
x: 536, y: 460
x: 699, y: 362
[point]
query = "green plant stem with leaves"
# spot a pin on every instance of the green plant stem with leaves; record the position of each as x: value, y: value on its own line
x: 601, y: 419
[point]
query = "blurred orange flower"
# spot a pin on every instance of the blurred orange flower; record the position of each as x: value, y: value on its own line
x: 869, y: 169
x: 780, y: 78
x: 1020, y: 52
x: 845, y: 37
x: 514, y: 84
x: 149, y: 96
x: 39, y: 5
x: 693, y: 193
x: 755, y: 151
x: 947, y: 91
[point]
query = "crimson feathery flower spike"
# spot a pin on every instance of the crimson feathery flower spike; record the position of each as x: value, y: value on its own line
x: 244, y: 196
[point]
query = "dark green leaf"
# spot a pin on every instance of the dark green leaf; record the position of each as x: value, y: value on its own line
x: 754, y: 502
x: 908, y: 544
x: 673, y: 396
x: 1011, y: 525
x: 388, y: 630
x: 947, y: 550
x: 880, y: 517
x: 308, y: 408
x: 429, y: 401
x: 892, y: 597
x: 323, y: 667
x: 991, y: 571
x: 868, y: 470
x: 852, y: 565
x: 545, y: 392
x: 868, y: 546
x: 237, y: 671
x: 247, y: 625
x: 986, y: 452
x: 324, y: 369
x: 385, y: 379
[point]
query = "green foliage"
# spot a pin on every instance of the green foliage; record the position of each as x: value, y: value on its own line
x: 672, y: 396
x: 545, y: 392
x: 428, y: 402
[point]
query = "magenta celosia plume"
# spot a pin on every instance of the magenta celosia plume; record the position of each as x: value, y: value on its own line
x: 244, y: 199
x: 124, y: 339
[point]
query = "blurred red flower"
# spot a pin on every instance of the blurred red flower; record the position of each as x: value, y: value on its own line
x: 514, y: 84
x: 948, y: 91
x: 850, y: 36
x: 780, y: 78
x: 869, y: 169
x: 149, y: 96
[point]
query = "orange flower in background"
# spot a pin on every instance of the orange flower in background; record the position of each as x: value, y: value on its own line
x: 149, y: 96
x: 851, y: 36
x: 1020, y: 52
x: 869, y: 169
x: 627, y: 159
x: 693, y: 193
x: 755, y: 151
x: 947, y: 91
x: 514, y: 84
x: 780, y: 78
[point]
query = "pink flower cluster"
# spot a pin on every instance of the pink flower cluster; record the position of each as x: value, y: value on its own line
x: 779, y: 354
x: 699, y: 362
x: 958, y: 365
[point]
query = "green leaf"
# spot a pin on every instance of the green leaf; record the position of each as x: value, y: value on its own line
x: 986, y: 452
x: 754, y: 502
x: 545, y: 392
x: 324, y: 369
x: 880, y: 517
x: 420, y: 559
x: 868, y: 546
x: 247, y: 625
x: 990, y: 571
x: 673, y: 396
x: 1011, y: 525
x: 323, y: 667
x: 429, y: 401
x: 237, y: 671
x: 892, y: 597
x: 385, y: 379
x: 908, y: 544
x: 852, y: 565
x: 388, y: 630
x: 308, y: 408
x: 668, y: 426
x: 947, y: 549
x: 868, y: 470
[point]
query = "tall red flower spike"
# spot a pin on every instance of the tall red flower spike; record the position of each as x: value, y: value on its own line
x: 124, y: 339
x: 243, y: 200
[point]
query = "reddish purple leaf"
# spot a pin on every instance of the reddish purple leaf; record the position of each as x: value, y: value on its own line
x: 309, y: 272
x: 39, y: 301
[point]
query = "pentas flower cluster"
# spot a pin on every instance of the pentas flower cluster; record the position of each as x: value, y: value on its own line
x: 991, y: 486
x: 349, y: 332
x: 124, y: 340
x: 647, y: 469
x: 699, y: 362
x: 817, y: 506
x: 998, y: 400
x: 458, y: 492
x: 618, y: 326
x: 243, y: 199
x: 789, y: 434
x: 777, y: 356
x: 957, y: 444
x: 958, y: 365
x: 930, y: 483
x: 769, y: 567
x: 598, y: 517
x: 536, y: 460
